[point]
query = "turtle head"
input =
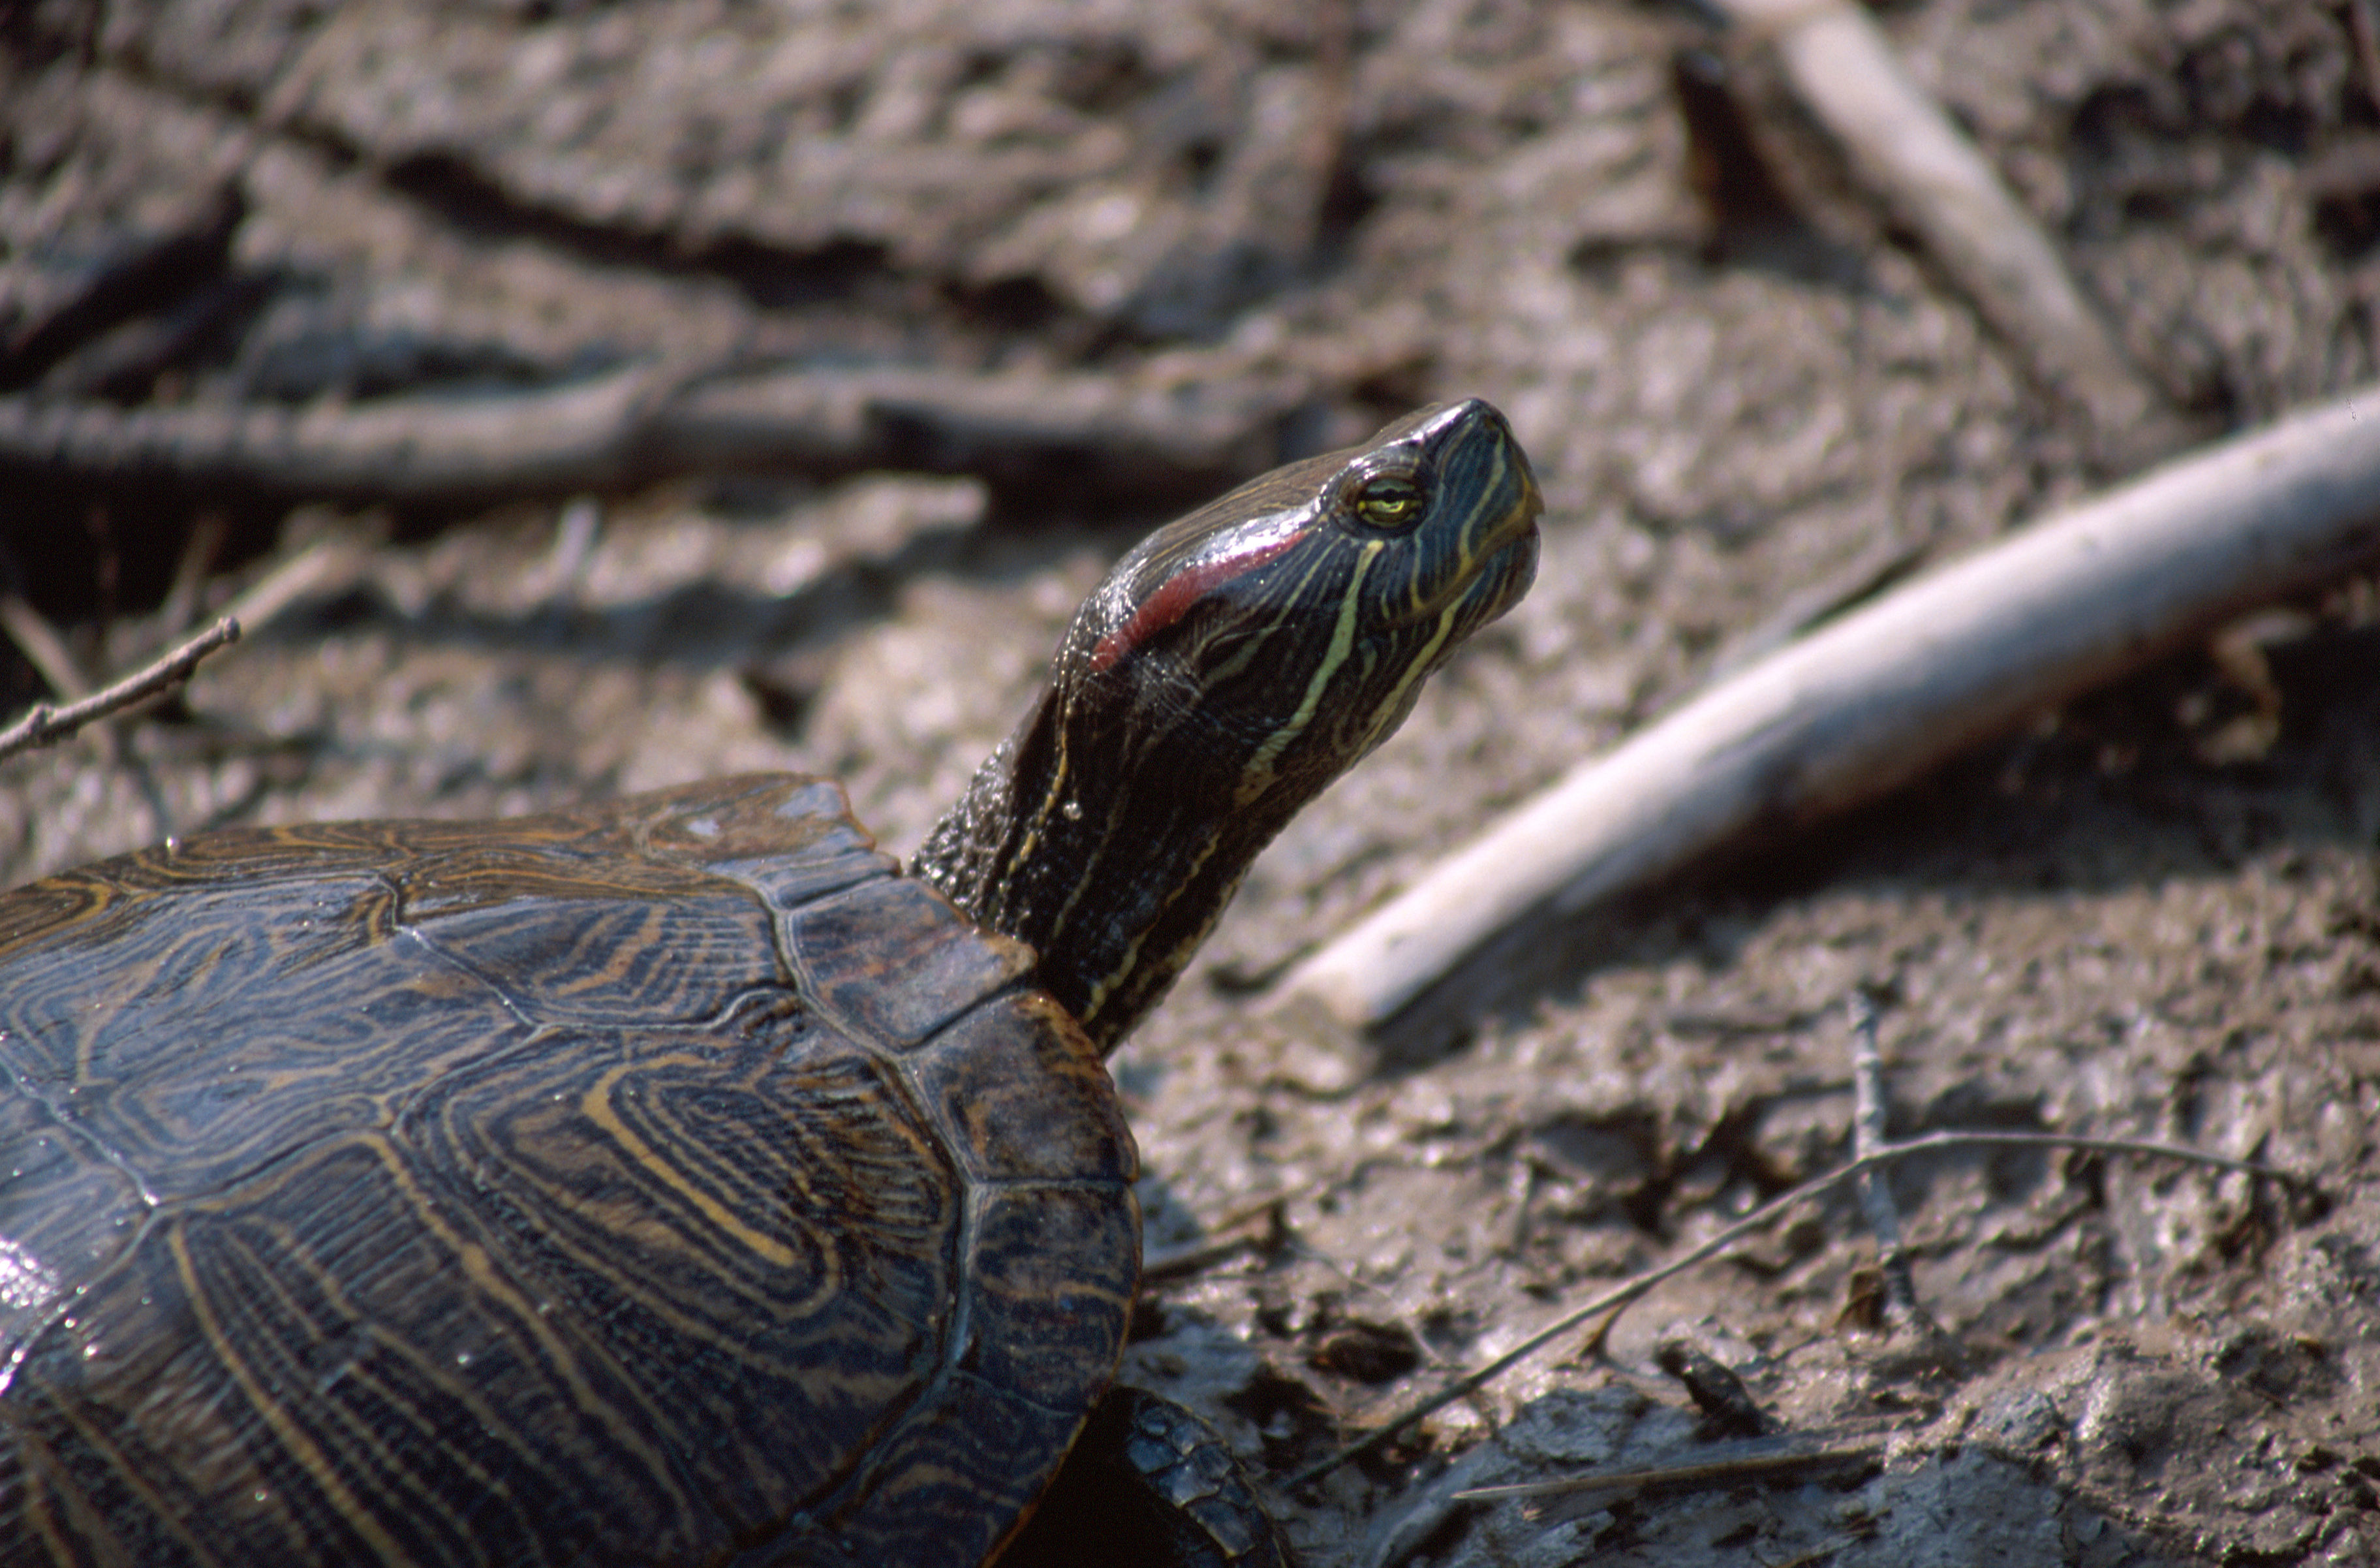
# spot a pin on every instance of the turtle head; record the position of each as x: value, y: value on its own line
x: 1229, y: 668
x: 1275, y: 637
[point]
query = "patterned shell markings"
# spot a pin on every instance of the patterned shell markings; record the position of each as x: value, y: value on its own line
x: 671, y: 1165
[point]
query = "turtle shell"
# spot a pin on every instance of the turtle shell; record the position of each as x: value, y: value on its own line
x: 668, y: 1181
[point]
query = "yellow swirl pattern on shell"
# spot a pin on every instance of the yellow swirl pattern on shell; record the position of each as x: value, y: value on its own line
x: 440, y: 1193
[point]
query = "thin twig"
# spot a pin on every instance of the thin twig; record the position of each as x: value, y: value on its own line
x: 42, y: 647
x: 1738, y: 1462
x: 1901, y: 1305
x: 2365, y: 27
x: 47, y: 650
x: 198, y: 559
x: 1759, y: 1220
x: 1913, y: 156
x: 1106, y: 434
x: 45, y: 725
x: 311, y: 568
x: 1232, y: 1232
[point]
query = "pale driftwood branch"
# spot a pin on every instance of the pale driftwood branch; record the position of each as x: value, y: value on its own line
x: 1875, y: 699
x: 1903, y: 147
x: 43, y: 725
x: 1612, y: 1302
x: 1104, y: 434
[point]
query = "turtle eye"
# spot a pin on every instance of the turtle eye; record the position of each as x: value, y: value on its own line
x: 1388, y: 502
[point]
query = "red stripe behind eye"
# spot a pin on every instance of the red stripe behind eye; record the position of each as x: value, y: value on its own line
x: 1182, y: 589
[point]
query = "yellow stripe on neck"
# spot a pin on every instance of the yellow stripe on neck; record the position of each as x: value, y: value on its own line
x: 1257, y: 777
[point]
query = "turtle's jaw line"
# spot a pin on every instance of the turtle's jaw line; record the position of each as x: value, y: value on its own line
x: 1500, y: 546
x: 1506, y: 569
x: 1504, y: 581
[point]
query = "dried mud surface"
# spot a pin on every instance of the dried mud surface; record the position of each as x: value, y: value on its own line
x: 2155, y: 914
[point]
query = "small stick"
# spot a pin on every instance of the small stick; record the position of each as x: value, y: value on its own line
x: 1109, y: 434
x: 40, y: 643
x: 1910, y: 153
x: 1738, y: 1462
x: 43, y: 725
x: 1194, y: 1258
x: 2365, y: 27
x: 1901, y: 1303
x: 285, y: 584
x: 1871, y: 700
x: 42, y: 647
x: 1234, y: 1233
x: 1760, y: 1219
x: 197, y: 558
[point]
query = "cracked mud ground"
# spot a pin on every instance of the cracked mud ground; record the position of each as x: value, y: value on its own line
x: 2154, y: 913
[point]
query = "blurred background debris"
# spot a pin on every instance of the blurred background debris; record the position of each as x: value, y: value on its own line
x: 571, y: 398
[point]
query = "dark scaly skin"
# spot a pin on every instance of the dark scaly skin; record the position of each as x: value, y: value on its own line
x: 668, y: 1180
x: 1092, y: 836
x: 1147, y: 1483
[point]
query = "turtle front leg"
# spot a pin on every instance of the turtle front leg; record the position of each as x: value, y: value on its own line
x: 1149, y: 1485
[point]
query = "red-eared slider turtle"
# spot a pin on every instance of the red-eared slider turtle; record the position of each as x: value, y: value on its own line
x: 673, y: 1181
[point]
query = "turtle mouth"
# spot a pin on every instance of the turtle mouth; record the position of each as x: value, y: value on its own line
x: 1504, y: 579
x: 1516, y: 566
